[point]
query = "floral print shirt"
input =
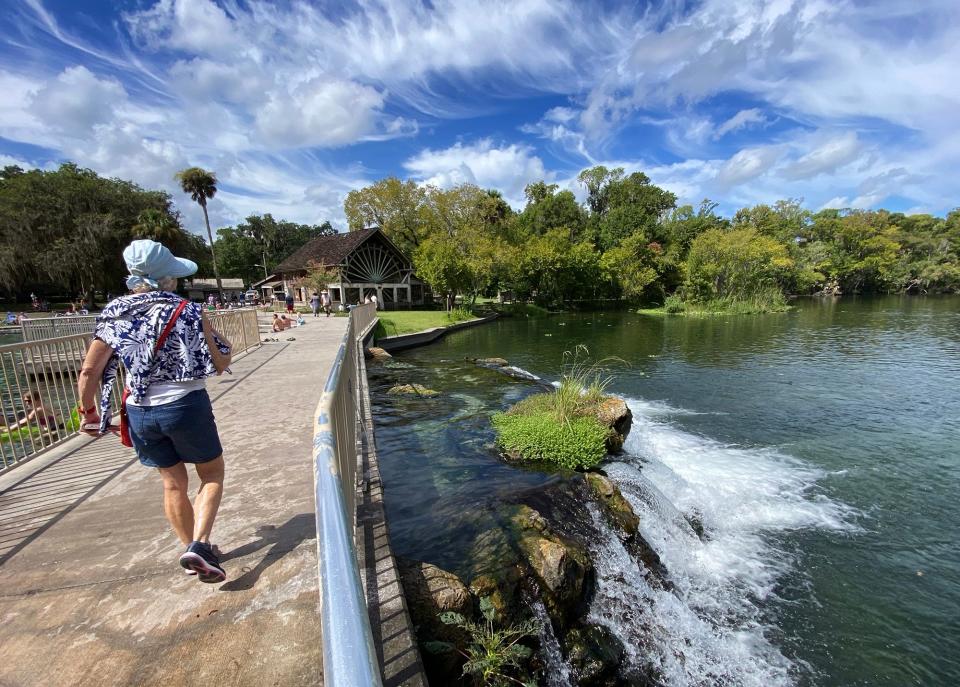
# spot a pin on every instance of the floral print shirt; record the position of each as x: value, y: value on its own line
x: 131, y: 326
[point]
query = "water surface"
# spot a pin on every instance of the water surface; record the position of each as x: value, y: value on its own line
x: 820, y: 448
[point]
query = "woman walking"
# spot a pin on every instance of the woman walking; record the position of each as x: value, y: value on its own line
x: 168, y: 348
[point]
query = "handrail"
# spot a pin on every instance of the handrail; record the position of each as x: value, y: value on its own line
x: 349, y: 654
x: 48, y: 369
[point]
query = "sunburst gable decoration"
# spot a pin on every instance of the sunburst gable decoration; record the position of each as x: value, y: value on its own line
x: 373, y: 263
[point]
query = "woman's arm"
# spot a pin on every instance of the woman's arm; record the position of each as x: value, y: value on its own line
x: 221, y: 361
x: 96, y: 359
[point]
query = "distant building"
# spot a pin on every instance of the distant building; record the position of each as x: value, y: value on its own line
x: 364, y: 262
x: 199, y: 289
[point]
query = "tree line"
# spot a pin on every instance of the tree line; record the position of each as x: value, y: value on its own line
x: 64, y: 230
x: 629, y: 240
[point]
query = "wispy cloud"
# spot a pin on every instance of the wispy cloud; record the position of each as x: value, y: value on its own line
x: 743, y: 102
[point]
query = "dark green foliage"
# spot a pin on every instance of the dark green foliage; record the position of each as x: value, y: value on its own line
x: 242, y: 249
x: 68, y: 228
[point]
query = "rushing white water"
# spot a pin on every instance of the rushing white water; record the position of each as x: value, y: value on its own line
x: 710, y: 629
x: 558, y: 672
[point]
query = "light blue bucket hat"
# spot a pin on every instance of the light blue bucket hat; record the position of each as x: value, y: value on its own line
x: 148, y: 262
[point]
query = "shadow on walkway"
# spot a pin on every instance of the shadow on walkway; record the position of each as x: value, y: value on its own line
x: 282, y: 540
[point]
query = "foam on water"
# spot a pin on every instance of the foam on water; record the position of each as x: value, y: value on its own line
x: 711, y: 629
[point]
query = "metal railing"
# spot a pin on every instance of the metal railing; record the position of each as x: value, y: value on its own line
x: 38, y: 395
x: 46, y: 372
x: 37, y: 328
x: 349, y: 655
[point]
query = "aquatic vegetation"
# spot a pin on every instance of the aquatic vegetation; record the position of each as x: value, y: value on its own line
x: 491, y: 653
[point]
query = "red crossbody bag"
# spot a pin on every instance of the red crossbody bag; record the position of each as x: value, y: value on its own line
x: 124, y: 425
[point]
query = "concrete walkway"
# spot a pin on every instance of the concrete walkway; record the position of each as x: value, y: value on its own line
x: 90, y: 589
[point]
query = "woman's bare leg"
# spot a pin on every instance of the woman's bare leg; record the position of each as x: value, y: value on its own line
x: 176, y: 503
x: 208, y: 498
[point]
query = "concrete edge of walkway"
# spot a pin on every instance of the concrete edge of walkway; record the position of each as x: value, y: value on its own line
x: 390, y: 623
x: 403, y: 341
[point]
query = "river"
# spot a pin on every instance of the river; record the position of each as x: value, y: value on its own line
x: 820, y: 449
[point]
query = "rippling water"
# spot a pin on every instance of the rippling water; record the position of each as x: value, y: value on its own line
x: 820, y: 449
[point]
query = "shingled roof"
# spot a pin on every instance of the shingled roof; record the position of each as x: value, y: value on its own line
x: 327, y: 250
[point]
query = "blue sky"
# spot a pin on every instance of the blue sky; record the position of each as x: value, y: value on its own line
x: 844, y: 103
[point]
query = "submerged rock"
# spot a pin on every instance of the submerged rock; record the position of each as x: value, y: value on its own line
x: 615, y: 507
x: 489, y: 362
x: 412, y: 390
x: 377, y: 354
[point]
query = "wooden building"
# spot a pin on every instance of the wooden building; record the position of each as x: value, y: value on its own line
x: 364, y: 263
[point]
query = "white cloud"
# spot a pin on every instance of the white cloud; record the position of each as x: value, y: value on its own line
x: 508, y: 168
x: 748, y: 164
x: 77, y: 100
x: 320, y: 113
x: 743, y: 119
x: 830, y: 155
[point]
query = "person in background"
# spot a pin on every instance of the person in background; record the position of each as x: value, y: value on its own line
x: 11, y: 318
x: 36, y: 412
x: 289, y: 301
x: 169, y: 413
x: 373, y: 299
x: 325, y: 302
x: 315, y: 304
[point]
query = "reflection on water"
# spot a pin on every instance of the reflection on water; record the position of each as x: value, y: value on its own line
x: 854, y: 401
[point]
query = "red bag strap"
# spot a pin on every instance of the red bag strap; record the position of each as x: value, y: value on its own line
x: 166, y: 330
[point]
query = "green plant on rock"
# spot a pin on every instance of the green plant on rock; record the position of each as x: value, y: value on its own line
x: 583, y: 383
x: 576, y: 444
x: 491, y: 653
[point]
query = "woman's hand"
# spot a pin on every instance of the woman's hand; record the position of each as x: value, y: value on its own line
x: 90, y: 425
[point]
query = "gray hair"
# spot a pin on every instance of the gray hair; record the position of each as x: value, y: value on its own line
x: 163, y: 284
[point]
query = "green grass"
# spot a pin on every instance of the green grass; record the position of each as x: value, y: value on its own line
x: 396, y: 322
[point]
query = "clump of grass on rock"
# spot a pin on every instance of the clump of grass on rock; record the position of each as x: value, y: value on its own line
x: 573, y: 427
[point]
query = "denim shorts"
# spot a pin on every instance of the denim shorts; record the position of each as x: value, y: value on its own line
x: 180, y: 432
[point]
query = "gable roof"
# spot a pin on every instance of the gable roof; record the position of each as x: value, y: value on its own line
x: 329, y: 250
x: 333, y: 250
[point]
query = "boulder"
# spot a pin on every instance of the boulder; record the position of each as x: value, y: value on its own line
x: 595, y: 655
x: 615, y: 507
x: 615, y: 414
x: 563, y: 569
x: 491, y: 362
x: 412, y: 390
x: 377, y: 354
x: 429, y: 591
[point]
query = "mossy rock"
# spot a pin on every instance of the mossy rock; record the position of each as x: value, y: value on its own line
x: 489, y: 362
x: 615, y: 507
x: 563, y: 568
x: 412, y: 390
x: 595, y: 655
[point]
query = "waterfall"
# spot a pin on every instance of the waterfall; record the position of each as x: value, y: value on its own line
x: 713, y: 626
x: 558, y: 671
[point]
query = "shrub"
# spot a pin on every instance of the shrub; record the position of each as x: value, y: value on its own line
x: 576, y: 444
x: 674, y: 304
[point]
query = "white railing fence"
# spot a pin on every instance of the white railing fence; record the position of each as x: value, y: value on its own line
x: 349, y: 655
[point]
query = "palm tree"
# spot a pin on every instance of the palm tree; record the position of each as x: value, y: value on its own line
x: 157, y: 225
x: 201, y: 184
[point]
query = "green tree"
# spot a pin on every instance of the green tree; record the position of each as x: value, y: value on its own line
x: 739, y: 263
x: 202, y: 185
x: 397, y: 207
